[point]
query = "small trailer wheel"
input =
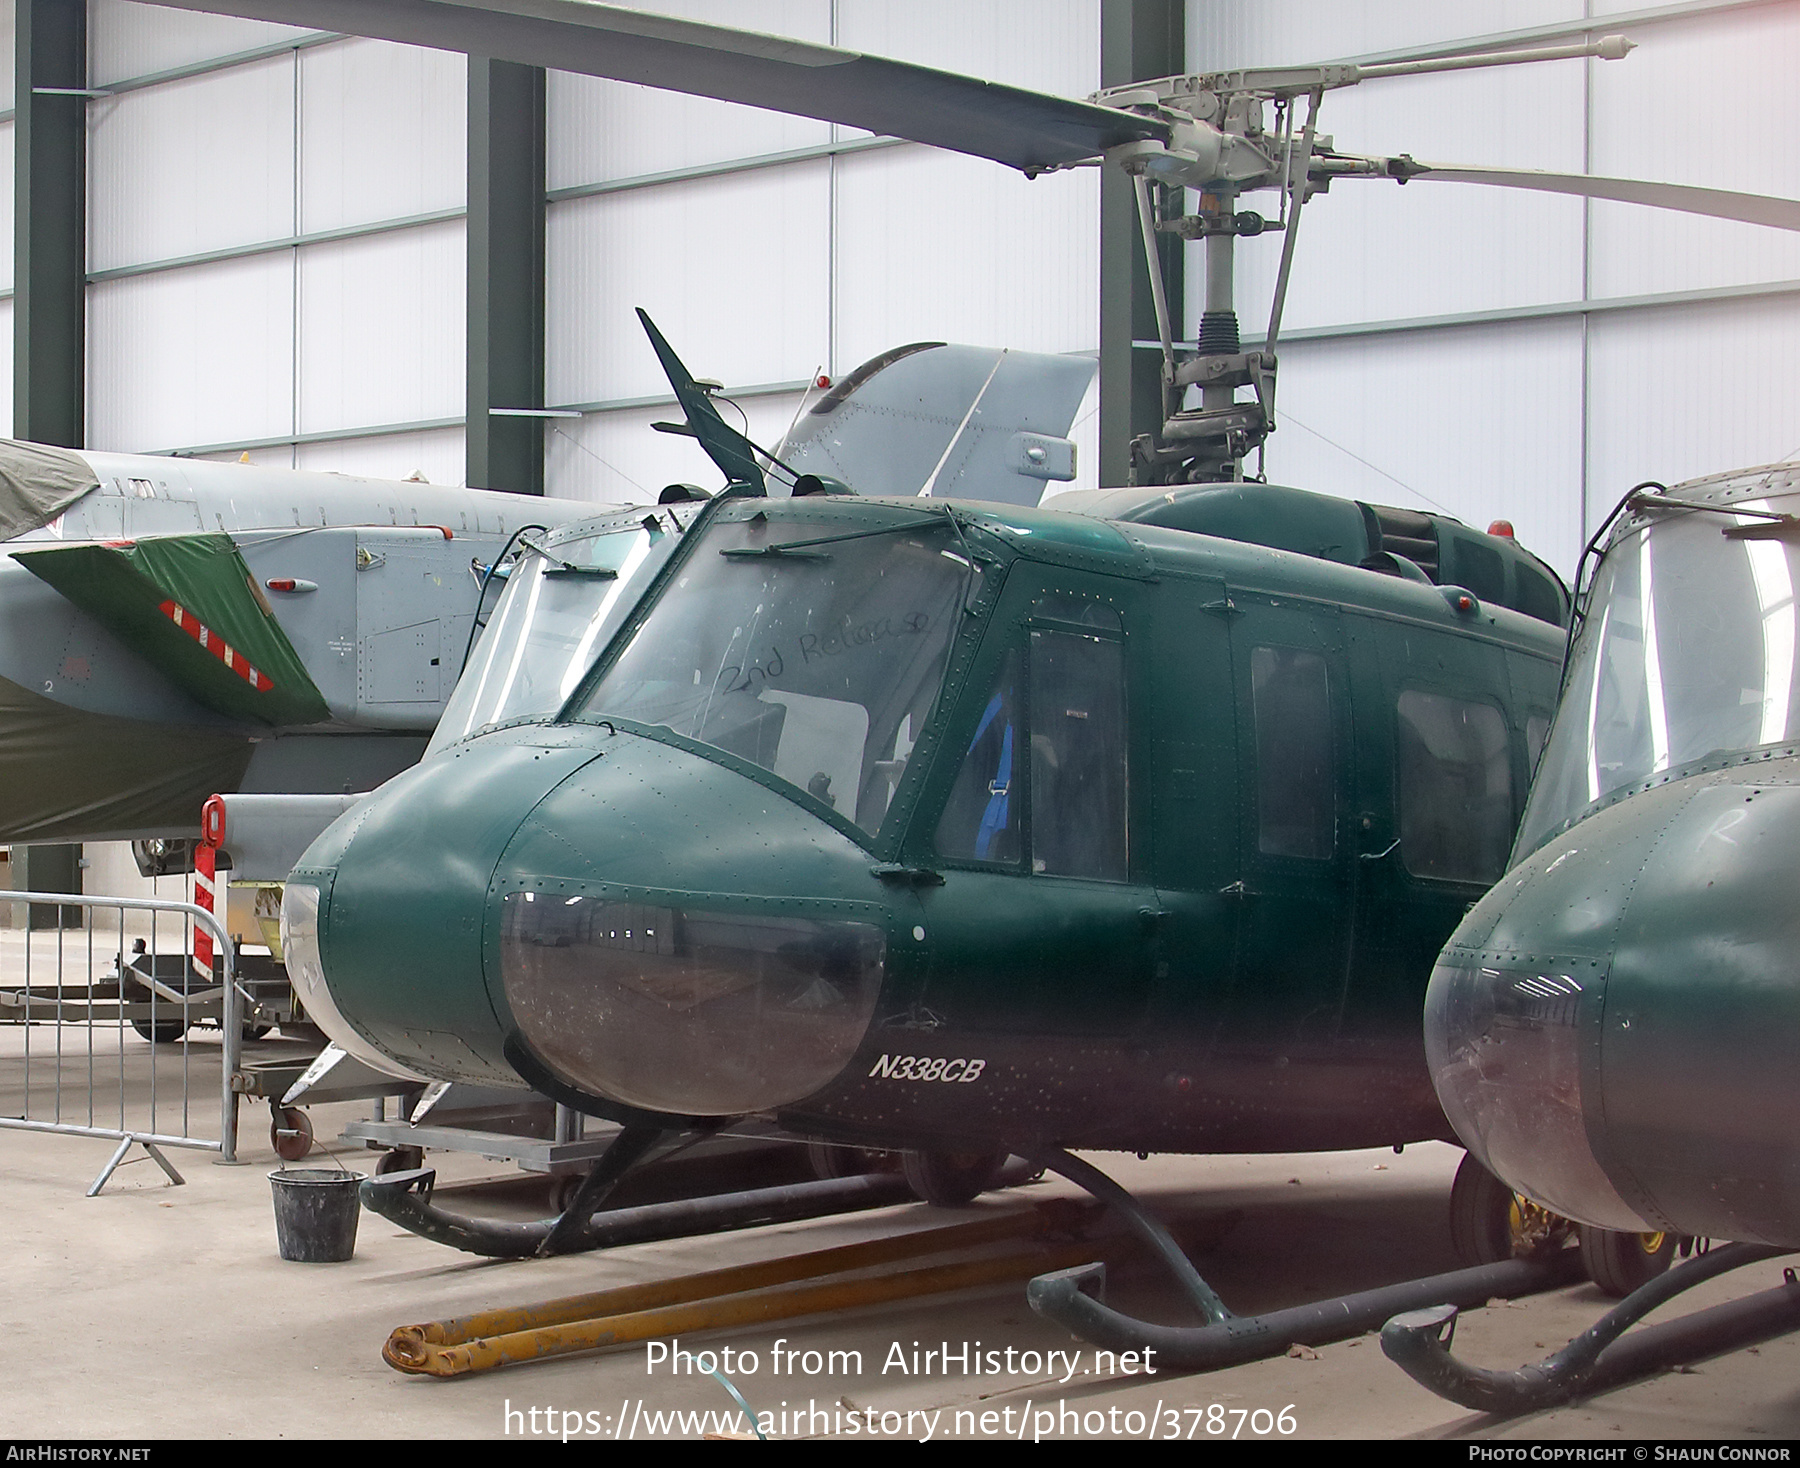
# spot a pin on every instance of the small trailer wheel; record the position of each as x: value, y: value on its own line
x: 291, y: 1133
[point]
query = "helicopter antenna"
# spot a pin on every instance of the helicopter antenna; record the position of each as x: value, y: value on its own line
x: 932, y: 478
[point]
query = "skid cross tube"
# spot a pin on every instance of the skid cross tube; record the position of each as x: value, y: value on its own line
x: 1075, y: 1298
x: 405, y: 1198
x: 1419, y: 1342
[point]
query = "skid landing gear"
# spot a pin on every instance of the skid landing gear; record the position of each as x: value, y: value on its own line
x: 1075, y: 1298
x: 1418, y: 1341
x: 404, y: 1197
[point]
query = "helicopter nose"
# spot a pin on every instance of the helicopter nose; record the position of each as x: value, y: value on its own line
x: 1610, y: 1028
x: 383, y: 916
x: 599, y: 913
x: 676, y: 935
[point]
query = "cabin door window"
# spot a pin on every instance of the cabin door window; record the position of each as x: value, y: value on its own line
x: 1296, y: 778
x: 1045, y: 771
x: 1456, y: 799
x: 1078, y: 775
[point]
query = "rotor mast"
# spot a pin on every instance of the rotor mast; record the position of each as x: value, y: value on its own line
x: 1220, y: 147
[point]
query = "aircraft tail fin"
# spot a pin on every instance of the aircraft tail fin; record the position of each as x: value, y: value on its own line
x: 973, y: 423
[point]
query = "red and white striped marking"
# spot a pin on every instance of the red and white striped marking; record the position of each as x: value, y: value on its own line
x: 204, y: 887
x: 217, y: 646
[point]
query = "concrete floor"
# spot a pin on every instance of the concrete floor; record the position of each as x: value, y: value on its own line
x: 155, y: 1311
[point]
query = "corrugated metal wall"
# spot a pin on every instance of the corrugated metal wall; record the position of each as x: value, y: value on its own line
x: 765, y: 270
x: 276, y: 243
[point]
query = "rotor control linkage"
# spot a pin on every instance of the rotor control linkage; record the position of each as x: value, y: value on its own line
x: 1418, y: 1342
x: 1074, y: 1298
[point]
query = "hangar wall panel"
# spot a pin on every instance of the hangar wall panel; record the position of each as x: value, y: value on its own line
x: 6, y: 53
x: 382, y: 133
x: 126, y: 40
x: 194, y: 356
x: 6, y: 370
x: 1483, y: 422
x: 1737, y: 69
x: 935, y: 246
x: 1669, y: 404
x: 6, y: 211
x: 1048, y: 45
x: 1230, y: 33
x: 437, y: 455
x: 169, y: 176
x: 381, y: 327
x: 734, y: 270
x: 609, y: 130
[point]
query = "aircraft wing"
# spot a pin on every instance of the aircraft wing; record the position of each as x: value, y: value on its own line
x: 188, y: 605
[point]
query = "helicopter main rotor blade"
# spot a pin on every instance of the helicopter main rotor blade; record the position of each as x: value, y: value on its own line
x: 1766, y: 209
x: 1024, y: 129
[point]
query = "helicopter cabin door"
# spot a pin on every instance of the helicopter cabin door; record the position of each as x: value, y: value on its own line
x: 1441, y: 790
x: 1039, y: 928
x: 1293, y: 889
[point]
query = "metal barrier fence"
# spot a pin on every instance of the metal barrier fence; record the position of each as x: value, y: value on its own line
x: 106, y: 1029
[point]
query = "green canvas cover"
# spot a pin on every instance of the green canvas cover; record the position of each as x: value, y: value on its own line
x: 188, y: 604
x: 37, y: 483
x: 75, y: 776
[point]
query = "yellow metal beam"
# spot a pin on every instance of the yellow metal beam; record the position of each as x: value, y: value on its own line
x: 741, y: 1295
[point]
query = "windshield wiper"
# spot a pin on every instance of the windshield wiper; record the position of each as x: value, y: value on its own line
x: 560, y: 567
x: 1775, y: 526
x: 801, y: 548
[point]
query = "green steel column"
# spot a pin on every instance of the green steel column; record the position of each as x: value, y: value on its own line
x: 50, y: 221
x: 50, y: 281
x: 506, y: 274
x: 1139, y: 41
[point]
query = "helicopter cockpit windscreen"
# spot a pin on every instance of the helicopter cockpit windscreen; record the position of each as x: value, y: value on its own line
x: 1688, y: 650
x: 566, y: 595
x: 811, y: 644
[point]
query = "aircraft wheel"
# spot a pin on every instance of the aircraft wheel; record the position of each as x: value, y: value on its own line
x: 951, y: 1179
x: 828, y: 1161
x: 1620, y: 1263
x: 563, y: 1188
x: 163, y: 1032
x: 291, y: 1133
x: 1489, y: 1222
x: 399, y: 1159
x: 1481, y: 1208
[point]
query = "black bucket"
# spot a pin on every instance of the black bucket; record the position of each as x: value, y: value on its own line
x: 315, y: 1213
